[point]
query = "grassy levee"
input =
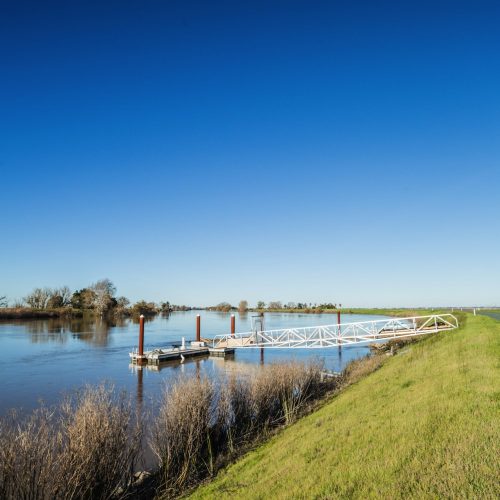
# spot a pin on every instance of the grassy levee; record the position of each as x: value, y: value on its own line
x: 426, y: 424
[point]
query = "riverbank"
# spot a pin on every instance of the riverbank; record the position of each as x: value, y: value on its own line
x: 30, y: 313
x: 425, y: 424
x: 352, y: 310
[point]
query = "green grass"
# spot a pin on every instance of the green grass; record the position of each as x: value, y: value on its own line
x: 426, y: 424
x: 407, y: 312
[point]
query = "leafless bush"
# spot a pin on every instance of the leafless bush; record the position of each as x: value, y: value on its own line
x: 27, y: 460
x: 100, y: 444
x: 199, y: 427
x: 280, y: 391
x: 181, y: 435
x: 86, y: 448
x: 359, y: 368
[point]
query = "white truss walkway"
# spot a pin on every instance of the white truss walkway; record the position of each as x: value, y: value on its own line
x: 313, y: 337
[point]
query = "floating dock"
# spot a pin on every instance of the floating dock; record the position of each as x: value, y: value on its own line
x: 160, y: 355
x: 180, y: 352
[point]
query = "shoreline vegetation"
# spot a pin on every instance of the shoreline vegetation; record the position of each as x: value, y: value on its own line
x: 98, y: 299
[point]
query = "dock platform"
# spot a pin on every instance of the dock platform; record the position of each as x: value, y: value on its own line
x: 159, y: 355
x: 221, y: 352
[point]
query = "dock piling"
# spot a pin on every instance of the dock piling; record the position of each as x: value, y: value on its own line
x: 198, y: 328
x: 233, y: 325
x: 141, y: 335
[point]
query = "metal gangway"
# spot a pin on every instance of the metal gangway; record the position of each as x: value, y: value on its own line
x: 337, y: 335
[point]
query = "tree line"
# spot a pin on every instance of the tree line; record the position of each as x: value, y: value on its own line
x: 99, y: 298
x: 275, y: 305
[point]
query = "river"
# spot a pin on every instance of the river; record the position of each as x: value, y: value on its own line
x: 42, y: 360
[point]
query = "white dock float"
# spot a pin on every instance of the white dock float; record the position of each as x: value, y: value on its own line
x: 159, y: 355
x: 221, y: 352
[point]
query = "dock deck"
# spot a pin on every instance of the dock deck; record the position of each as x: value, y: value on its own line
x: 159, y: 355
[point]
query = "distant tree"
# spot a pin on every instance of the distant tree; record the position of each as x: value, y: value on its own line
x: 165, y: 307
x: 3, y: 301
x: 104, y: 291
x: 122, y: 302
x: 55, y: 301
x: 38, y: 298
x: 243, y: 306
x: 145, y: 308
x: 83, y: 299
x: 274, y: 305
x: 65, y: 294
x: 291, y: 305
x: 59, y: 297
x: 120, y: 305
x: 261, y: 304
x: 223, y: 306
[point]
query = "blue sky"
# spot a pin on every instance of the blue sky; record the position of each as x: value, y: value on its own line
x: 297, y: 151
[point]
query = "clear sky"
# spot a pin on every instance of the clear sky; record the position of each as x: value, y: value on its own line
x: 297, y: 151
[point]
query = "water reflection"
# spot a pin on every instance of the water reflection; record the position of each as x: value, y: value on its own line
x: 95, y: 331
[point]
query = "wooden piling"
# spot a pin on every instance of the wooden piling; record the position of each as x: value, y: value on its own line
x: 198, y: 328
x: 141, y: 335
x: 233, y: 325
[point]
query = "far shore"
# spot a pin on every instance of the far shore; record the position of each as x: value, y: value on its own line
x: 20, y: 313
x: 30, y: 313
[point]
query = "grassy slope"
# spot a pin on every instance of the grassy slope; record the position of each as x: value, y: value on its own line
x: 425, y: 424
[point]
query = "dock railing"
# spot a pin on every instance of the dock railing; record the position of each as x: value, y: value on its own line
x: 337, y: 335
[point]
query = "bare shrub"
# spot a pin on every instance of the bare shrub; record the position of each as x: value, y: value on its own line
x: 86, y: 448
x: 280, y: 391
x: 181, y: 434
x: 235, y: 413
x: 199, y: 428
x: 359, y: 368
x: 100, y: 444
x: 28, y: 463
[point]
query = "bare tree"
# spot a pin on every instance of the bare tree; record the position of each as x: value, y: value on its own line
x: 243, y: 306
x: 274, y: 305
x: 65, y: 294
x: 38, y: 298
x: 3, y: 301
x: 104, y: 291
x: 59, y: 297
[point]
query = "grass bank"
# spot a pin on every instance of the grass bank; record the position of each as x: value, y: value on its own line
x: 426, y: 424
x: 407, y: 312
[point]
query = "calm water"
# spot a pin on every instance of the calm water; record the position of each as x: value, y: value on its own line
x: 45, y: 359
x: 494, y: 315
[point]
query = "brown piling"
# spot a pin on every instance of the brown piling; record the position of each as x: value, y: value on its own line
x: 198, y: 328
x: 233, y: 325
x: 141, y: 335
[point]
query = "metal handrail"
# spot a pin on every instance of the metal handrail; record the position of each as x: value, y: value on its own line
x: 342, y: 334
